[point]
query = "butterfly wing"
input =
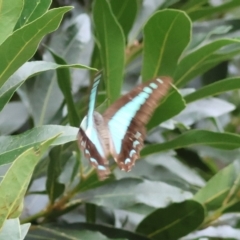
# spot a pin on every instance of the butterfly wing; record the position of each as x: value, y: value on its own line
x: 127, y: 118
x: 93, y: 135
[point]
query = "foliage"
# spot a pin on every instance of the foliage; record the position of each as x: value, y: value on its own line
x: 186, y: 185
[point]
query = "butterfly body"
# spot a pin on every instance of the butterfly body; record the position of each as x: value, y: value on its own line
x: 120, y: 131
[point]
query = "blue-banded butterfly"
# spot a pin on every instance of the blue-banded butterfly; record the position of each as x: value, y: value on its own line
x: 120, y: 131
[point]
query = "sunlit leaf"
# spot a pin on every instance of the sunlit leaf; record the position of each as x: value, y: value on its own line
x: 199, y: 61
x: 228, y: 141
x: 12, y: 146
x: 111, y: 44
x: 18, y: 177
x: 24, y: 48
x: 31, y: 11
x: 9, y: 17
x: 214, y: 89
x: 160, y: 51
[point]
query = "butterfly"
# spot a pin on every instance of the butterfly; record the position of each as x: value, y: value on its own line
x: 120, y: 130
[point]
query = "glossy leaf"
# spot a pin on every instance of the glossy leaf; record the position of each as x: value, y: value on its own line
x: 13, y: 58
x: 199, y: 61
x: 161, y: 51
x: 12, y: 230
x: 64, y: 83
x: 227, y: 141
x: 31, y: 11
x: 9, y: 17
x: 125, y: 11
x: 163, y: 168
x: 26, y: 71
x: 221, y: 231
x: 111, y: 44
x: 172, y: 222
x: 84, y: 231
x: 168, y: 161
x: 204, y: 12
x: 12, y: 146
x: 214, y: 89
x: 18, y: 177
x: 127, y: 192
x: 222, y: 189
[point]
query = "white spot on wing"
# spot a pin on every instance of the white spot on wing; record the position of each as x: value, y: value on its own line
x: 138, y: 134
x: 159, y: 80
x: 147, y: 90
x: 153, y: 85
x: 135, y: 143
x: 93, y: 161
x: 101, y: 168
x: 132, y: 152
x: 127, y: 161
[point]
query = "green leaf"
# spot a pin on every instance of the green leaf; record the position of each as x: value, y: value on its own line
x: 53, y: 187
x: 14, y: 184
x: 31, y: 11
x: 125, y: 11
x: 172, y: 222
x: 25, y: 47
x: 111, y: 44
x: 81, y: 231
x: 169, y: 3
x: 8, y: 17
x: 160, y: 51
x: 126, y: 192
x: 12, y: 146
x: 64, y: 83
x: 227, y: 141
x: 164, y: 111
x: 12, y: 230
x: 214, y: 89
x: 204, y: 12
x: 146, y: 10
x: 193, y: 4
x: 26, y: 71
x: 222, y: 190
x: 199, y: 61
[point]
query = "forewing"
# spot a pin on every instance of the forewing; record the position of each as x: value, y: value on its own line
x: 127, y: 118
x: 92, y: 100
